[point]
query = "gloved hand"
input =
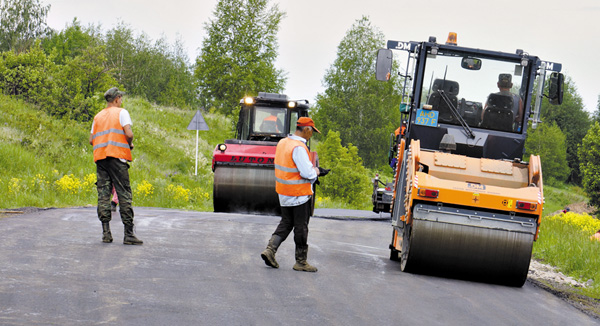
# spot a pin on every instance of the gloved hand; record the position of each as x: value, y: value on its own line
x: 323, y: 172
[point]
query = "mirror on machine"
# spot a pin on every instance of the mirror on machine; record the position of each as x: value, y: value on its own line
x: 471, y: 63
x: 555, y: 88
x: 384, y: 65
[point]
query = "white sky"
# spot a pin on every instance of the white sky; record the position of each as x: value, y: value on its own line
x: 555, y: 30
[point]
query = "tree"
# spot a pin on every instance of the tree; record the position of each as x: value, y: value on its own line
x: 84, y: 80
x: 29, y: 75
x: 363, y: 109
x: 549, y: 142
x: 154, y: 70
x: 589, y: 157
x: 72, y: 41
x: 596, y: 116
x: 237, y: 57
x: 21, y: 23
x: 574, y: 122
x: 348, y: 180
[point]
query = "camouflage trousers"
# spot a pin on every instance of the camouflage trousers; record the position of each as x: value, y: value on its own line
x: 112, y: 172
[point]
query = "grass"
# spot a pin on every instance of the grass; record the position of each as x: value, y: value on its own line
x: 565, y: 242
x: 45, y: 162
x: 557, y: 198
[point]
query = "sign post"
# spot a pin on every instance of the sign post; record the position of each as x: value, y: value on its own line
x: 197, y: 123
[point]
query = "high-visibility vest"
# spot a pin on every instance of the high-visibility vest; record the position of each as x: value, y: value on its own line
x: 288, y: 181
x: 109, y: 137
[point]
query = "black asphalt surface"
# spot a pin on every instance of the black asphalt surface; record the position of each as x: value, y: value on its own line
x: 205, y: 269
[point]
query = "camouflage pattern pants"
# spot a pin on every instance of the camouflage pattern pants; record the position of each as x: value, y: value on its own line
x: 112, y: 172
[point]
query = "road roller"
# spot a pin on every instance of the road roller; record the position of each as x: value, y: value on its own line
x: 465, y: 202
x: 244, y: 173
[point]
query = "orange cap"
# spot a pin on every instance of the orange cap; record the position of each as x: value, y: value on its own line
x: 307, y: 122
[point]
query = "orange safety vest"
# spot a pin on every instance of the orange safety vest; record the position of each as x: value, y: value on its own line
x: 109, y: 137
x: 288, y: 181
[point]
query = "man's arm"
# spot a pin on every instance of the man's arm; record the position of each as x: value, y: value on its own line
x: 128, y: 135
x: 304, y: 165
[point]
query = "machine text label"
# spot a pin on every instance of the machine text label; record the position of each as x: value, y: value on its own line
x: 259, y: 160
x: 475, y: 186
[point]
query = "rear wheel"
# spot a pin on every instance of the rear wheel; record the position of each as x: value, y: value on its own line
x: 404, y: 260
x: 394, y: 254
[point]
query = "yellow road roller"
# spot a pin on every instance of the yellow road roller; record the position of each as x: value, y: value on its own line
x: 465, y: 201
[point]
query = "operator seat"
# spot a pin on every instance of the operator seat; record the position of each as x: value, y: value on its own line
x: 499, y: 113
x: 450, y: 88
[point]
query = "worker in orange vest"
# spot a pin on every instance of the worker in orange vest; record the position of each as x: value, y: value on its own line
x: 112, y: 139
x: 270, y: 124
x: 294, y: 176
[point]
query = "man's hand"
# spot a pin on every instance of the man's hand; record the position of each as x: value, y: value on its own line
x: 323, y: 172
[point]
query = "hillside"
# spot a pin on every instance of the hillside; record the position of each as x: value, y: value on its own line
x: 45, y: 162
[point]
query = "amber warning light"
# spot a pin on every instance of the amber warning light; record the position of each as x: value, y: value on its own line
x: 451, y: 39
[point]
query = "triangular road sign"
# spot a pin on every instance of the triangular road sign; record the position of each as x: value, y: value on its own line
x: 198, y: 122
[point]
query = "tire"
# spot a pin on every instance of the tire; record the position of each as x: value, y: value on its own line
x: 405, y: 259
x: 394, y: 254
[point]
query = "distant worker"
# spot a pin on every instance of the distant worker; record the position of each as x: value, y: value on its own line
x: 398, y: 133
x: 112, y: 139
x: 271, y: 124
x: 596, y: 236
x: 294, y: 176
x: 504, y: 85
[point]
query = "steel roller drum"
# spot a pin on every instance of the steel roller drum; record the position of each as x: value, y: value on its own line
x: 471, y: 244
x: 247, y: 189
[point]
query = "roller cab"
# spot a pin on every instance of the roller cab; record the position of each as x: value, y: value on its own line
x: 244, y: 177
x: 465, y: 201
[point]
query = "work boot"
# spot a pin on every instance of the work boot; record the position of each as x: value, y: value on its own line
x: 268, y: 255
x: 106, y: 236
x: 130, y: 238
x: 301, y: 264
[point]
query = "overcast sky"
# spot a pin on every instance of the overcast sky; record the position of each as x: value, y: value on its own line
x: 554, y: 30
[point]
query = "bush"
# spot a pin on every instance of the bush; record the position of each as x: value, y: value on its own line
x: 348, y: 180
x: 589, y: 158
x: 548, y: 141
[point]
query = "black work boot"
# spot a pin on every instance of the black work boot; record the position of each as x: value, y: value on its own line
x: 268, y: 255
x: 301, y: 264
x: 106, y: 236
x: 130, y: 238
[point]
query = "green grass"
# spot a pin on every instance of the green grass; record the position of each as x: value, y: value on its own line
x: 558, y: 198
x: 568, y: 247
x: 45, y: 162
x: 564, y: 238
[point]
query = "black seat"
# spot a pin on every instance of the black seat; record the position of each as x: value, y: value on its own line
x: 450, y: 88
x: 499, y: 113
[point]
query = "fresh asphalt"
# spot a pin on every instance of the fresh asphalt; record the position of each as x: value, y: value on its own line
x: 198, y: 268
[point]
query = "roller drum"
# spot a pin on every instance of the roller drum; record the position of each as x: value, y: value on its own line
x: 494, y: 249
x: 245, y: 189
